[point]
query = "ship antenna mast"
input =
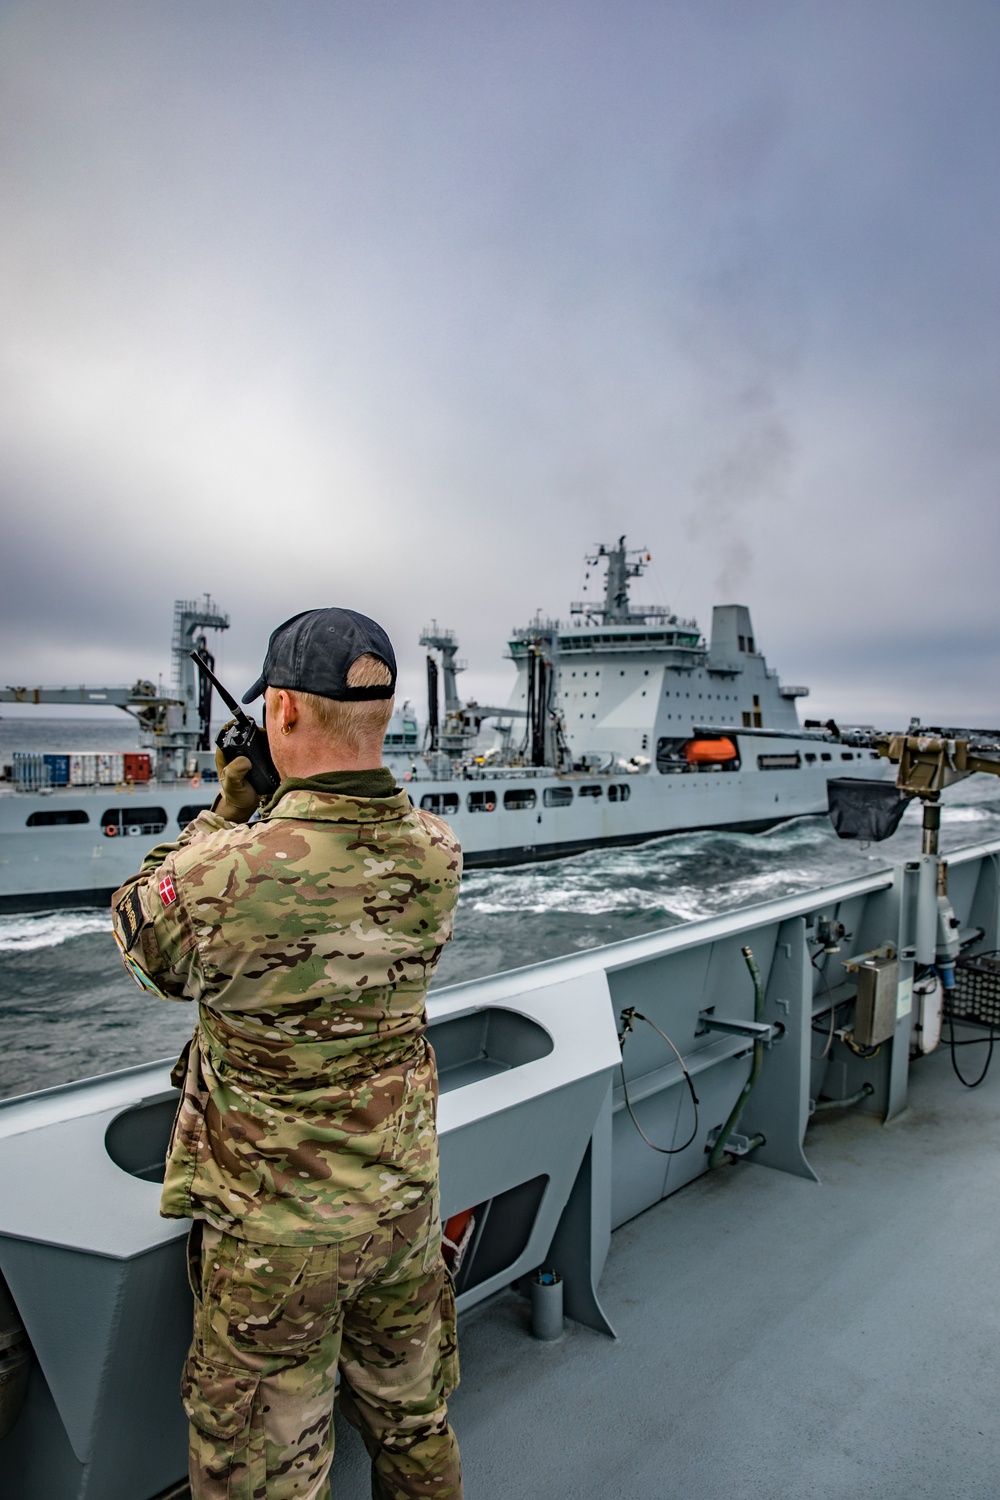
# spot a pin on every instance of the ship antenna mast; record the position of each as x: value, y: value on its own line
x: 622, y: 565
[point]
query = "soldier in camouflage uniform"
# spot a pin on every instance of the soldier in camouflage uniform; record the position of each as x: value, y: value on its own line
x: 305, y: 1146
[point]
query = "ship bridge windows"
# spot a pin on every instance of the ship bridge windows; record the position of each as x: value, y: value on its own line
x: 190, y: 811
x: 482, y: 802
x: 442, y: 803
x: 519, y: 798
x: 557, y: 796
x: 619, y: 791
x: 146, y: 821
x: 591, y: 790
x: 57, y: 817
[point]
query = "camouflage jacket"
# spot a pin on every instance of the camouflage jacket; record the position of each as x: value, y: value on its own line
x: 308, y: 940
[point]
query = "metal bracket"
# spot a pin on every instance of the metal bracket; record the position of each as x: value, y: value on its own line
x: 737, y: 1145
x: 885, y: 951
x: 757, y: 1031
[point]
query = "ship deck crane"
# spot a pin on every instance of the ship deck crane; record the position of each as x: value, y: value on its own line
x: 172, y: 724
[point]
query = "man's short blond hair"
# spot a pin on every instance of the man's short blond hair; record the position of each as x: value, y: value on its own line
x: 354, y: 723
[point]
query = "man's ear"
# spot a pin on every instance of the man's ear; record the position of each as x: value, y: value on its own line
x: 288, y: 709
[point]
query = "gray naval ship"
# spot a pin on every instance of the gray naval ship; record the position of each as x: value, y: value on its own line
x: 624, y: 724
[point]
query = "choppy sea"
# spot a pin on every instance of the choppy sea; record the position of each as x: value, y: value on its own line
x: 68, y: 1010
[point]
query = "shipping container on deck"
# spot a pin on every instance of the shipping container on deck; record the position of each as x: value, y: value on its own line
x: 137, y: 765
x: 58, y: 768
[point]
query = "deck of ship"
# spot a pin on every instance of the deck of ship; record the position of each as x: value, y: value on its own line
x: 777, y: 1338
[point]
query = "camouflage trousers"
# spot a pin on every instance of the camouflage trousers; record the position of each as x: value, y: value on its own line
x: 272, y: 1325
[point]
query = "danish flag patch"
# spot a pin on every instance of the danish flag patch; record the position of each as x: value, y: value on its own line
x: 167, y: 893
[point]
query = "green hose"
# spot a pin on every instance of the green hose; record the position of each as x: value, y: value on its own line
x: 719, y: 1149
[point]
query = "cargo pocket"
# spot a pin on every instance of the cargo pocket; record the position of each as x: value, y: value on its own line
x: 218, y: 1398
x: 193, y: 1257
x: 277, y: 1297
x: 448, y: 1372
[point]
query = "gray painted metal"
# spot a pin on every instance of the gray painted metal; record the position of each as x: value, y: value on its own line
x: 534, y: 1135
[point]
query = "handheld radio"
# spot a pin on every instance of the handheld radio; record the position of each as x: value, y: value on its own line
x: 243, y: 737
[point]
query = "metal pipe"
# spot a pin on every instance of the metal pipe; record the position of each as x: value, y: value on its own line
x: 547, y: 1305
x: 932, y: 826
x: 432, y: 701
x: 864, y: 1092
x: 719, y: 1149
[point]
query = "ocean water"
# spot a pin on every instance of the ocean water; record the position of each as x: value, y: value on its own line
x: 68, y: 1010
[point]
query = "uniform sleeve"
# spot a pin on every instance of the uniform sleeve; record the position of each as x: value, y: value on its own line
x: 200, y: 827
x: 155, y: 932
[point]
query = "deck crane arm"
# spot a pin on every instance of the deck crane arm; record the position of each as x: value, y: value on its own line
x: 142, y: 694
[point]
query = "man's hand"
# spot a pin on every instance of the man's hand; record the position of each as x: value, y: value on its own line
x: 237, y: 801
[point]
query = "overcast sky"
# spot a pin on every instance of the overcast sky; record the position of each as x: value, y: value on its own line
x: 404, y: 306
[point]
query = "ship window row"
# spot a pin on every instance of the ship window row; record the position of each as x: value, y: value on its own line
x: 792, y: 762
x: 844, y: 755
x: 627, y: 642
x: 520, y: 798
x: 116, y: 821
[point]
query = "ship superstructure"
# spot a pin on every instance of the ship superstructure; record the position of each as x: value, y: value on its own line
x: 623, y: 724
x: 620, y: 681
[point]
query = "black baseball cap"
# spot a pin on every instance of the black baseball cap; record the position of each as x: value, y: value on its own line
x: 314, y: 651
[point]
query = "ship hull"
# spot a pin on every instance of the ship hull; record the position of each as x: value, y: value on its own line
x: 50, y: 867
x: 539, y: 853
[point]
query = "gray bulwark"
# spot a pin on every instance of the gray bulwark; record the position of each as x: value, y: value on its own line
x: 99, y: 1278
x: 99, y: 1281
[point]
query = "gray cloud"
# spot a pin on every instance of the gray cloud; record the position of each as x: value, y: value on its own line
x: 406, y: 307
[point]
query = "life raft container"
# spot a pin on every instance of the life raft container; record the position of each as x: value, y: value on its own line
x: 710, y: 752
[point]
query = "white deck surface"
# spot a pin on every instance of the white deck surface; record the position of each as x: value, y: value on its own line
x: 778, y: 1340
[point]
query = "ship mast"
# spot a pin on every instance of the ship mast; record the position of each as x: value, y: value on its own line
x: 620, y: 570
x: 191, y: 616
x: 622, y: 564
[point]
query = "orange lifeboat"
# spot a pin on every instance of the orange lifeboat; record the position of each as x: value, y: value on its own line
x: 710, y: 752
